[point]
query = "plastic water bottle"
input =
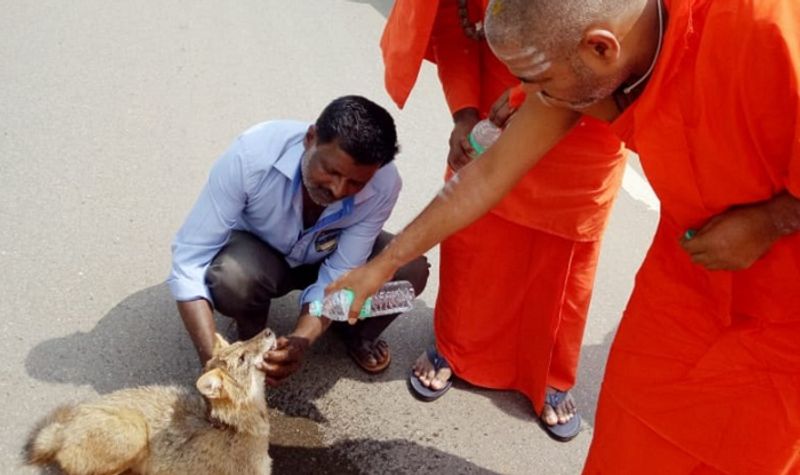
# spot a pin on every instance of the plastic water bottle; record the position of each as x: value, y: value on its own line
x: 483, y: 135
x: 394, y: 297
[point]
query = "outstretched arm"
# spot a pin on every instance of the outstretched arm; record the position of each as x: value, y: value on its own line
x: 467, y: 196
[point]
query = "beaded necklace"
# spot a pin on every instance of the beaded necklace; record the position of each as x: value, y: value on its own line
x: 472, y: 30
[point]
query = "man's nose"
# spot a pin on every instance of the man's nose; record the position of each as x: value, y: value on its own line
x: 339, y: 188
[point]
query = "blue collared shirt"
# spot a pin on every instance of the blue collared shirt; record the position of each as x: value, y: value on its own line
x: 256, y: 186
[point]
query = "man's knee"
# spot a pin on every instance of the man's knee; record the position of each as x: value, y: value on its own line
x: 245, y: 276
x: 416, y: 272
x: 233, y: 287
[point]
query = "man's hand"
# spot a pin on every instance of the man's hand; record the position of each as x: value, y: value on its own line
x: 502, y: 110
x: 460, y: 149
x: 733, y: 240
x: 365, y: 280
x: 285, y: 359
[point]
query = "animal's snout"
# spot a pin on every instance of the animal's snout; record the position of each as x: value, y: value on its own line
x: 270, y: 338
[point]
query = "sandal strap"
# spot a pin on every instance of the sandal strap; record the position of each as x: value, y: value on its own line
x: 436, y: 359
x: 555, y: 398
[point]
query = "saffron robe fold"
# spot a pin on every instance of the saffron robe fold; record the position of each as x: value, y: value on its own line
x: 514, y: 286
x: 704, y: 372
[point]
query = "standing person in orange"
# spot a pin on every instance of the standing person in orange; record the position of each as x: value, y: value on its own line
x: 704, y: 372
x: 494, y: 328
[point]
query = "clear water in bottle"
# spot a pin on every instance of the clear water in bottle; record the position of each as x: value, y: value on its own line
x: 483, y: 135
x: 394, y: 297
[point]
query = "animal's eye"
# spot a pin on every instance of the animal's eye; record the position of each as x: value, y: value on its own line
x: 241, y: 359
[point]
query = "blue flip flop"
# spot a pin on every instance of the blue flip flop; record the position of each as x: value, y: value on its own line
x: 419, y: 390
x: 566, y: 431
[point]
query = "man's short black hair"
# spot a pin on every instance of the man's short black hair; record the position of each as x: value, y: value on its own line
x: 361, y: 128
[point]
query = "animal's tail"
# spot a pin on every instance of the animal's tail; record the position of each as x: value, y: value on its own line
x: 48, y: 436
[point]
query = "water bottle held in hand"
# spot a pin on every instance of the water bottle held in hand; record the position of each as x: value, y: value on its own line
x: 393, y: 297
x: 483, y: 135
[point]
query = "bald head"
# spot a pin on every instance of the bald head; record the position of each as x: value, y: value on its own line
x: 553, y: 28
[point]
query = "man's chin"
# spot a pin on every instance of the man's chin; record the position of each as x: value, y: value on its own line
x: 321, y: 201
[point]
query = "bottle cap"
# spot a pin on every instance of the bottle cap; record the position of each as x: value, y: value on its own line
x: 475, y: 145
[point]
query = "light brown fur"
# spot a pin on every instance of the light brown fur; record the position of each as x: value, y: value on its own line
x: 168, y: 429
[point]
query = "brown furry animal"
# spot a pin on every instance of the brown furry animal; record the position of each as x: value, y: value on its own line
x: 167, y: 429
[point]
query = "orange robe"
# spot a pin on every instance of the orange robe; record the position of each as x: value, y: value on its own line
x: 704, y: 372
x: 516, y: 284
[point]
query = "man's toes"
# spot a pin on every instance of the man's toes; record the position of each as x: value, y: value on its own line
x: 421, y: 365
x: 572, y: 408
x: 549, y: 416
x: 562, y: 414
x: 381, y: 346
x: 440, y: 379
x: 427, y: 377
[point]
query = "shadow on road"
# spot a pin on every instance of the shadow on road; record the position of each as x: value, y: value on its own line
x: 142, y: 341
x: 139, y: 341
x: 390, y: 456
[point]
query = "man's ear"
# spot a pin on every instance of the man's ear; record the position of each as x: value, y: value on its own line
x: 311, y: 135
x: 210, y: 384
x: 600, y: 49
x: 219, y: 343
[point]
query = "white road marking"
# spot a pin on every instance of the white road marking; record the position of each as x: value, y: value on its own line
x: 638, y: 188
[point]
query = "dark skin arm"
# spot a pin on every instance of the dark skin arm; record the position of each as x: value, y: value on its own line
x: 735, y: 239
x: 198, y: 319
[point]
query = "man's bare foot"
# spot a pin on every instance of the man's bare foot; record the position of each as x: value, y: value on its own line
x: 427, y: 374
x: 560, y: 414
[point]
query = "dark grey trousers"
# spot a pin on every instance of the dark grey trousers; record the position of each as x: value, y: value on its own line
x: 247, y: 274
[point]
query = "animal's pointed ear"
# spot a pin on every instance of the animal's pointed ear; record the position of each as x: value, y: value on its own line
x: 219, y: 343
x: 210, y: 384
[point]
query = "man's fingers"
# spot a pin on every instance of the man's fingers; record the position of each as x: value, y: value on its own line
x: 278, y: 356
x: 458, y: 161
x: 498, y: 110
x: 500, y: 103
x: 355, y: 309
x: 466, y: 147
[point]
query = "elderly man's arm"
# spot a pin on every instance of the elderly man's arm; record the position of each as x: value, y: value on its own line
x: 470, y: 194
x: 735, y: 239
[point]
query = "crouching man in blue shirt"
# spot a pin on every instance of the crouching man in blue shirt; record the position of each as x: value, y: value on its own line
x: 292, y: 205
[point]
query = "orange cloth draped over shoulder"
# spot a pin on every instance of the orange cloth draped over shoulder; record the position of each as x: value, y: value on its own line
x: 704, y: 373
x: 516, y: 284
